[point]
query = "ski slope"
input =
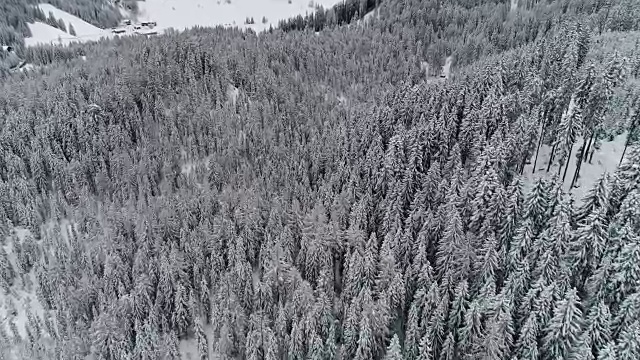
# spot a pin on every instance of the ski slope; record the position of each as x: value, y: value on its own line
x: 184, y: 14
x: 46, y: 34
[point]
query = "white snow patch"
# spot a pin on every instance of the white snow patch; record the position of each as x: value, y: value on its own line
x: 189, y: 347
x: 28, y: 67
x: 514, y: 5
x: 605, y: 159
x: 184, y: 14
x: 424, y: 67
x: 375, y: 13
x: 446, y: 69
x: 42, y: 33
x: 232, y: 94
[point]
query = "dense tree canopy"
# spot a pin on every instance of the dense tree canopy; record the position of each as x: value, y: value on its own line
x: 300, y: 196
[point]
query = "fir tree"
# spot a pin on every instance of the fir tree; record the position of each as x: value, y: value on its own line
x: 394, y: 352
x: 628, y: 346
x: 203, y: 344
x: 563, y: 329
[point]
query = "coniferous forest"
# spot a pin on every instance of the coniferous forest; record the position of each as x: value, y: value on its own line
x: 289, y: 195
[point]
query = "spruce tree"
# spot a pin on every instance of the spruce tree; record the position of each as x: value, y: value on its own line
x: 564, y: 327
x: 526, y: 348
x: 628, y: 345
x: 394, y: 352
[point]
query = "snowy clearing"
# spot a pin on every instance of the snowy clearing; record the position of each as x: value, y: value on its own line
x: 605, y: 159
x: 184, y: 14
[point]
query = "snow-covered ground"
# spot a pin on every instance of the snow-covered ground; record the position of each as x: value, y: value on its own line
x: 375, y: 13
x: 514, y: 5
x: 605, y: 159
x: 446, y: 68
x: 183, y: 14
x: 42, y: 33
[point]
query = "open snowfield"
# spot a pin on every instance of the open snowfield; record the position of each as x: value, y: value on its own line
x: 183, y: 14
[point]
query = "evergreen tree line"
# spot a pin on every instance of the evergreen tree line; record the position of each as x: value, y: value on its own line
x: 289, y: 196
x: 468, y: 30
x: 340, y: 14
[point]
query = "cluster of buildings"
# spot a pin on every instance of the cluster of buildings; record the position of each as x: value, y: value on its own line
x: 143, y: 28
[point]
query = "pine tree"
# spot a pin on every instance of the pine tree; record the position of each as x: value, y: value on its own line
x: 180, y: 315
x: 569, y: 129
x: 563, y: 329
x: 597, y: 198
x: 589, y: 246
x: 626, y: 315
x: 526, y: 347
x: 628, y: 346
x: 448, y: 348
x: 426, y: 351
x: 598, y: 327
x: 394, y: 352
x: 459, y: 307
x: 537, y: 205
x: 413, y: 330
x: 365, y: 349
x: 472, y: 331
x: 203, y: 344
x: 170, y: 346
x: 608, y: 352
x: 453, y: 254
x: 626, y: 271
x: 500, y: 330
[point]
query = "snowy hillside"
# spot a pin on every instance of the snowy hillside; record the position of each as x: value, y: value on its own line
x: 179, y: 15
x: 182, y: 14
x: 47, y: 34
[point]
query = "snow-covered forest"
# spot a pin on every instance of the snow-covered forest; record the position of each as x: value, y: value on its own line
x: 310, y: 193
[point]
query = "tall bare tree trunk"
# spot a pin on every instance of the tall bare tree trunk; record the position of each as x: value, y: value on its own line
x: 632, y: 129
x: 544, y: 125
x: 579, y: 161
x: 626, y: 145
x: 586, y: 153
x: 568, y: 162
x: 553, y: 152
